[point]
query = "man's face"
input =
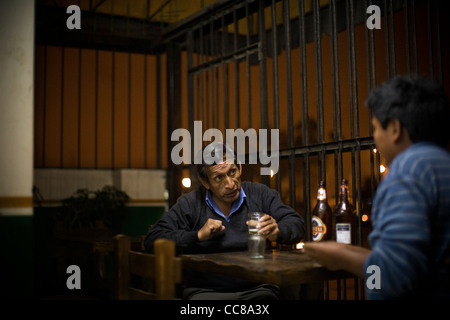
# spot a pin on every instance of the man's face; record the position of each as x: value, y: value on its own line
x: 224, y: 181
x: 384, y: 139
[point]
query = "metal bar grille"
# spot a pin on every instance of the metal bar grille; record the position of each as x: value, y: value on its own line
x: 318, y: 63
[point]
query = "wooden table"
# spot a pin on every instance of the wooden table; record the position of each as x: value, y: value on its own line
x: 277, y: 267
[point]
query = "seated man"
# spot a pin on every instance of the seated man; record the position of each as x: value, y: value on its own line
x: 213, y: 219
x: 410, y: 240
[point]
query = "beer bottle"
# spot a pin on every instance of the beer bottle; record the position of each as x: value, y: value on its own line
x: 344, y: 217
x: 321, y: 216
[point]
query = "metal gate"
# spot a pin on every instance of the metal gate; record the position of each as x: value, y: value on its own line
x: 305, y: 68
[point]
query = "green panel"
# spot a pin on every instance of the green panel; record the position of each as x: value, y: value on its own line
x: 47, y: 282
x: 138, y: 219
x: 16, y: 243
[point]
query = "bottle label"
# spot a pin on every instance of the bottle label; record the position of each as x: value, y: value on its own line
x: 318, y: 228
x: 343, y: 233
x: 321, y: 194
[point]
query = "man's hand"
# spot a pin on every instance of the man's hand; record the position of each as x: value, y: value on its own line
x: 268, y: 227
x: 338, y: 256
x: 210, y: 229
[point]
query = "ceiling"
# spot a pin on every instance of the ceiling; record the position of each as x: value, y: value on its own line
x: 165, y: 11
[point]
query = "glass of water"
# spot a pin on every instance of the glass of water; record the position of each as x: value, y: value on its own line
x: 253, y: 221
x: 256, y: 241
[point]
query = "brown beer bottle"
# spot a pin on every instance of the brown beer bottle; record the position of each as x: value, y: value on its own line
x: 344, y: 215
x: 321, y: 216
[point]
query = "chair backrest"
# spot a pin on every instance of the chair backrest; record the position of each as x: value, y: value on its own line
x: 161, y: 271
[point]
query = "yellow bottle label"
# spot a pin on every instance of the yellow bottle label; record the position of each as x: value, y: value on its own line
x: 318, y: 228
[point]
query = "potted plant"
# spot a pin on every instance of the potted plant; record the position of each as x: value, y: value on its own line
x: 87, y: 209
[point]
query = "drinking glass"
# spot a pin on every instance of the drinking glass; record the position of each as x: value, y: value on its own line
x: 253, y: 221
x: 256, y: 241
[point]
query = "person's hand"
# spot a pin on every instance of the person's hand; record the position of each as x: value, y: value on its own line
x: 210, y: 229
x: 328, y: 253
x: 268, y: 227
x: 338, y: 256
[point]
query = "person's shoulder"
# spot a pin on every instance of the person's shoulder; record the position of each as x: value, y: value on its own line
x: 422, y: 155
x: 256, y: 187
x: 192, y: 197
x: 253, y: 185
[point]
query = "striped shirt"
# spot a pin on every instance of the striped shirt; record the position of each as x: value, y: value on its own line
x: 411, y: 225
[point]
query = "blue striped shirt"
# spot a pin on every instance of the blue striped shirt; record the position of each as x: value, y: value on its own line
x: 411, y: 225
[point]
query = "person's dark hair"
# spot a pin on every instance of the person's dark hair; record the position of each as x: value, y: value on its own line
x: 213, y: 154
x: 420, y: 104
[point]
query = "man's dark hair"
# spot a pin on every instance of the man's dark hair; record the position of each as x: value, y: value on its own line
x: 420, y: 104
x: 213, y: 154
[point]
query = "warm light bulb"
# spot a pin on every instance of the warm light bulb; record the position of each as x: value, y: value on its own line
x: 382, y: 168
x: 186, y: 182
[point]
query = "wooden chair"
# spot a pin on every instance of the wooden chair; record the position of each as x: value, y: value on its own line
x: 161, y: 271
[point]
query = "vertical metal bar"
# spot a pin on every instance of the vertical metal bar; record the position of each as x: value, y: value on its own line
x: 113, y: 80
x: 202, y: 74
x: 391, y: 16
x: 262, y: 57
x: 211, y: 80
x: 276, y: 104
x: 356, y: 153
x: 318, y: 60
x: 80, y: 60
x: 414, y: 31
x: 236, y: 71
x: 129, y: 110
x: 96, y: 112
x: 61, y: 138
x: 303, y: 74
x: 173, y: 117
x: 305, y: 119
x: 386, y: 41
x: 430, y: 39
x: 224, y: 76
x: 248, y: 77
x: 334, y: 64
x: 371, y: 69
x: 349, y: 11
x: 159, y: 118
x: 438, y: 43
x: 44, y: 107
x: 290, y: 112
x: 190, y: 90
x: 407, y: 45
x: 319, y: 84
x: 353, y: 66
x: 146, y: 112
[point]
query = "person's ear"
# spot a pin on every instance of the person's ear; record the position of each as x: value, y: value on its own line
x: 395, y: 129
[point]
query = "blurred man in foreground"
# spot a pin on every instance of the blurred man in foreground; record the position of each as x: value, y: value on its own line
x: 410, y: 240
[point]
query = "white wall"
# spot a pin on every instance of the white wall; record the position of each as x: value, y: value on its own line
x: 16, y: 106
x: 144, y: 186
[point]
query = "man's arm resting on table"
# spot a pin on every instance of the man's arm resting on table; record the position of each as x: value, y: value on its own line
x: 338, y: 256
